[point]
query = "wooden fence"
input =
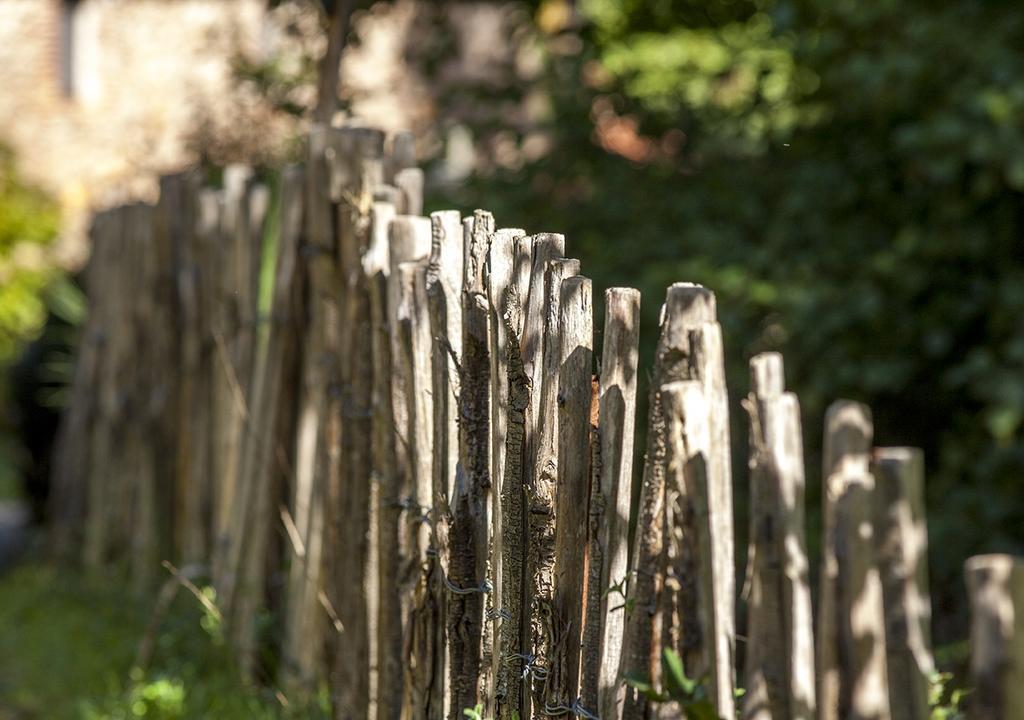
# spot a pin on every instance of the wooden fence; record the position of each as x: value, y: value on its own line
x: 395, y: 443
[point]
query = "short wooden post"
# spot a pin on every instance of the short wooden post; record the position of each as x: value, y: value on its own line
x: 902, y: 543
x: 601, y: 684
x: 851, y: 621
x: 575, y: 343
x: 780, y: 644
x: 995, y: 586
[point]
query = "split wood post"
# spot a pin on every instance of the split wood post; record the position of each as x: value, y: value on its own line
x: 444, y: 280
x: 352, y: 582
x: 995, y: 587
x: 851, y: 621
x: 689, y: 348
x: 425, y: 649
x: 511, y: 515
x: 303, y: 638
x: 780, y: 644
x: 902, y: 544
x: 541, y: 485
x: 467, y: 538
x: 575, y: 370
x: 264, y: 444
x: 499, y: 278
x: 602, y: 650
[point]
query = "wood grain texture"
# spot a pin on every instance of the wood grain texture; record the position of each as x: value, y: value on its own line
x: 575, y: 369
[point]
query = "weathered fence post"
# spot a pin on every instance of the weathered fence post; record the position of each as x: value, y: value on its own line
x: 602, y: 646
x: 444, y: 285
x: 575, y: 353
x: 995, y: 586
x: 902, y: 545
x: 689, y: 348
x: 511, y: 306
x: 780, y: 645
x: 851, y: 621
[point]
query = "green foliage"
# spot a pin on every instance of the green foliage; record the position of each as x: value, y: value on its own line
x: 28, y: 223
x: 687, y: 694
x: 944, y: 700
x: 68, y: 646
x: 849, y: 179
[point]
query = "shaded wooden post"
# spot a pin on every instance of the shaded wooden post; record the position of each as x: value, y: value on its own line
x: 609, y: 512
x: 780, y: 645
x: 444, y: 279
x: 689, y: 348
x: 303, y: 639
x: 575, y: 353
x: 352, y: 583
x: 902, y: 544
x: 508, y: 298
x: 851, y: 621
x: 995, y: 587
x: 265, y: 445
x: 386, y: 475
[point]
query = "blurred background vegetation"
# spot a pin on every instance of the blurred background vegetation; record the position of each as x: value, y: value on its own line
x: 848, y: 178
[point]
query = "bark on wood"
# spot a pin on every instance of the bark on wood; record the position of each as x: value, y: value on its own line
x: 851, y: 640
x: 780, y: 646
x: 995, y: 587
x: 515, y: 388
x: 617, y: 417
x: 575, y: 342
x: 467, y: 563
x: 902, y: 543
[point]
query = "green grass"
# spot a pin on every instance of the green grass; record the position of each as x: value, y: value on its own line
x: 68, y: 644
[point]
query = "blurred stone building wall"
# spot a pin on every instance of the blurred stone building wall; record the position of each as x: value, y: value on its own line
x: 99, y: 96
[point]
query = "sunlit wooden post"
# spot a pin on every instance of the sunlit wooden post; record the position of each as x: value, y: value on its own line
x: 780, y: 645
x: 851, y: 621
x: 995, y: 587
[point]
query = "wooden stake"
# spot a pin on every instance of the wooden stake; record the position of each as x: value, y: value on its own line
x: 995, y: 586
x: 780, y: 645
x: 575, y: 343
x: 602, y: 687
x: 902, y: 544
x: 851, y: 620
